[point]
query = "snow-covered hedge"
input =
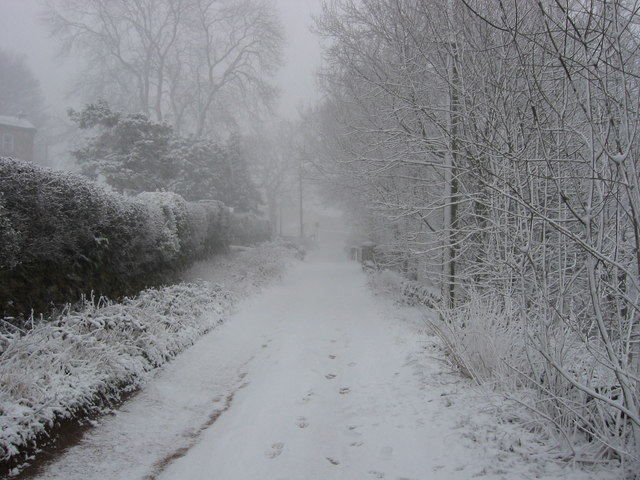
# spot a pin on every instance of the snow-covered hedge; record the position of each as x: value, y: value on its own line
x: 88, y: 357
x: 184, y: 230
x: 62, y: 235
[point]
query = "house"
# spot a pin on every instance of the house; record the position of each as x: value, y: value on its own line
x: 17, y: 135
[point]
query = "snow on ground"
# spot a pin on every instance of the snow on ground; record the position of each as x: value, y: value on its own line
x: 243, y: 270
x: 314, y: 378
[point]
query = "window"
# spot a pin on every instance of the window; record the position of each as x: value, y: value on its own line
x: 7, y: 143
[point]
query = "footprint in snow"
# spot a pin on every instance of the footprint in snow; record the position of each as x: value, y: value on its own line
x: 275, y: 450
x: 330, y: 376
x: 332, y: 357
x: 302, y: 422
x: 345, y: 390
x: 375, y: 474
x: 333, y: 461
x: 307, y: 398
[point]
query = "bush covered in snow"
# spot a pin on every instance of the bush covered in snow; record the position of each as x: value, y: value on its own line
x: 89, y: 357
x: 62, y: 235
x: 134, y: 154
x: 548, y: 370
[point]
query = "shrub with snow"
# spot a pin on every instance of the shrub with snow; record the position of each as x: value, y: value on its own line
x: 547, y: 368
x: 89, y: 356
x: 166, y: 212
x: 62, y: 235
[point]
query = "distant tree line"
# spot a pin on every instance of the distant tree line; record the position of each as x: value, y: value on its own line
x: 195, y: 64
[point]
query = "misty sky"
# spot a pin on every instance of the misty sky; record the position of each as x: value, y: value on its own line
x: 21, y: 31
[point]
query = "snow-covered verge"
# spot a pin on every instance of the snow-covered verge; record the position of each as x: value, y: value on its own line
x: 86, y: 359
x: 257, y: 266
x: 483, y: 347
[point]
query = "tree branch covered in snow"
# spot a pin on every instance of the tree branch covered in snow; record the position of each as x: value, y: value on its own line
x: 491, y: 148
x: 134, y: 154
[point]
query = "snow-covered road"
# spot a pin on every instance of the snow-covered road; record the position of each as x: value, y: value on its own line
x: 314, y: 378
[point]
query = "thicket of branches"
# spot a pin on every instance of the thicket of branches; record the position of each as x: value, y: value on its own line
x: 191, y: 63
x: 490, y: 147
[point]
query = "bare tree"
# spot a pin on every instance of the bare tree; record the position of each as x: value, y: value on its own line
x: 174, y: 60
x: 272, y: 157
x: 236, y: 47
x: 126, y: 45
x: 396, y: 98
x: 501, y: 138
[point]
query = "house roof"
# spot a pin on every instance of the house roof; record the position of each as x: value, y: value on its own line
x: 16, y: 122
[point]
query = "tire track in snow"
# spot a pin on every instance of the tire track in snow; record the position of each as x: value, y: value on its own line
x: 194, y: 437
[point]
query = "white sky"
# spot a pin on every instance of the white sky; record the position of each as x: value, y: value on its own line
x: 302, y: 55
x: 22, y: 32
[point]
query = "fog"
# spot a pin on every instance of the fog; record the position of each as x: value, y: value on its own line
x: 23, y: 32
x: 482, y: 158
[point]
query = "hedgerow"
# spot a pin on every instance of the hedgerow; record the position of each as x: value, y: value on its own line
x: 62, y: 235
x: 89, y: 356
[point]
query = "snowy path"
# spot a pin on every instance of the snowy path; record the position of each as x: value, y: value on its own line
x: 329, y: 395
x: 315, y: 378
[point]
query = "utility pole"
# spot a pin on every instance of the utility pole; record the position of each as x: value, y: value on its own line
x: 451, y: 181
x: 301, y: 204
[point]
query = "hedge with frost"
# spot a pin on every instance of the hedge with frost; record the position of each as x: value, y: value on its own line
x: 87, y: 358
x: 62, y: 235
